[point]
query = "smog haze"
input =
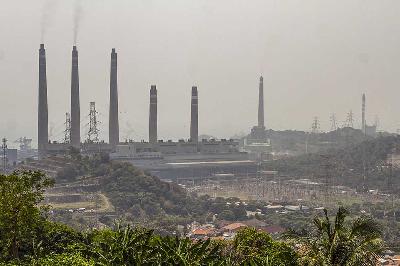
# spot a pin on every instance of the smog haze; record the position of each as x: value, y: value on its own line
x: 316, y: 57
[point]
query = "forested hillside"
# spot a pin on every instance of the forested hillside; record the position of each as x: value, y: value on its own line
x: 141, y: 198
x: 348, y: 165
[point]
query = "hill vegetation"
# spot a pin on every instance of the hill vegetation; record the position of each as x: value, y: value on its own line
x: 364, y: 166
x: 27, y: 237
x: 298, y: 142
x: 141, y: 198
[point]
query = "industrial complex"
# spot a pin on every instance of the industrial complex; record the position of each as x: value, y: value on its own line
x: 154, y: 154
x: 166, y: 158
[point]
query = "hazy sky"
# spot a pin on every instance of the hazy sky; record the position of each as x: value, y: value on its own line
x: 317, y: 58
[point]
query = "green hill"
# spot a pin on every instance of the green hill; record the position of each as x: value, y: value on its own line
x: 110, y: 190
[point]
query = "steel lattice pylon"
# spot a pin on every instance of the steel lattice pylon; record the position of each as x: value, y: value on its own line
x: 93, y: 133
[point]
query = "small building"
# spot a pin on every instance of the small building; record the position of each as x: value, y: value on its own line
x: 203, y: 233
x: 233, y: 228
x: 273, y: 229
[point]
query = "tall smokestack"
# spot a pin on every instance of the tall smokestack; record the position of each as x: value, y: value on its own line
x: 113, y: 115
x: 153, y: 115
x: 75, y: 106
x: 194, y: 123
x: 261, y: 104
x: 363, y: 126
x: 43, y: 120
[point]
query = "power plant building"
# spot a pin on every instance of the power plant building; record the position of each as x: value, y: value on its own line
x: 192, y: 149
x: 166, y: 159
x: 160, y: 148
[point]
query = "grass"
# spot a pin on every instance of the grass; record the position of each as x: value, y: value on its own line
x: 100, y: 203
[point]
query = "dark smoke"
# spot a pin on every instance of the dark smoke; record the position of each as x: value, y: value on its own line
x: 48, y: 11
x: 77, y: 18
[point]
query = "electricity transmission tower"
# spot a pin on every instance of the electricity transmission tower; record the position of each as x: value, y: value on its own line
x: 350, y: 119
x: 315, y: 125
x: 4, y: 149
x: 333, y: 120
x: 93, y: 133
x: 67, y: 131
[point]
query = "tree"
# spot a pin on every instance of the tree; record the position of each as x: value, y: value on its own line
x: 64, y: 259
x: 254, y: 247
x: 183, y: 251
x: 20, y: 194
x: 122, y: 246
x: 356, y: 243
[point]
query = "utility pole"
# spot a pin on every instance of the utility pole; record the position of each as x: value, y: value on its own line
x: 4, y: 148
x: 67, y: 131
x: 93, y: 133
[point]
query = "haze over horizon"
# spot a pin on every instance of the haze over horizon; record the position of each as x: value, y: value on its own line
x: 316, y: 57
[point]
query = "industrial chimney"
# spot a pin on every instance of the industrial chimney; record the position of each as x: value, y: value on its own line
x: 113, y: 115
x: 363, y: 125
x: 261, y: 104
x: 153, y: 115
x: 194, y: 123
x: 75, y: 106
x: 43, y: 125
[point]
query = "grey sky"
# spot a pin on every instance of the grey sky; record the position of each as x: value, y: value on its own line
x: 317, y: 57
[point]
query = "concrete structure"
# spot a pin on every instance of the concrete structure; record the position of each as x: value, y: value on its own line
x: 209, y: 151
x: 43, y: 121
x: 363, y: 123
x: 366, y: 129
x: 113, y: 115
x: 153, y: 115
x: 257, y: 143
x: 258, y: 133
x: 261, y: 104
x: 57, y: 148
x: 75, y: 106
x: 131, y: 150
x: 185, y: 159
x: 194, y: 123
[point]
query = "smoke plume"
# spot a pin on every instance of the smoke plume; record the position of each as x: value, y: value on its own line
x: 48, y: 11
x: 77, y: 18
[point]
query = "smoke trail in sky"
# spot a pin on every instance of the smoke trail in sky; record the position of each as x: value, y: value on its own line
x: 77, y: 18
x: 48, y: 11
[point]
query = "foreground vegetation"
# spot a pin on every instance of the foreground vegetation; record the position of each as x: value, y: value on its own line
x: 28, y: 237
